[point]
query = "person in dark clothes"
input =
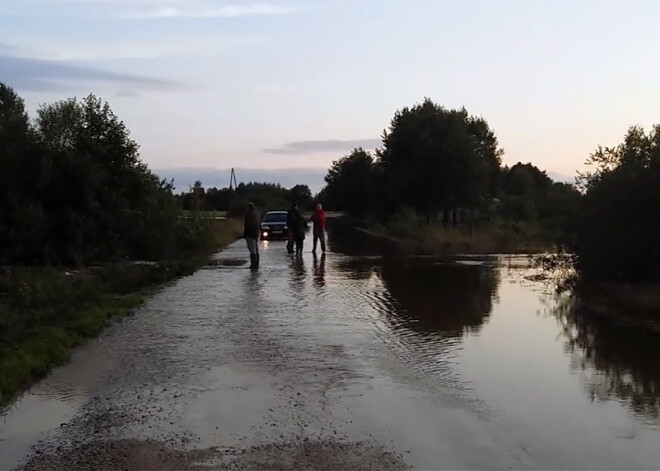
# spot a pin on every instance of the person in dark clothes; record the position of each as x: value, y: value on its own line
x: 251, y: 234
x: 299, y: 227
x: 290, y: 215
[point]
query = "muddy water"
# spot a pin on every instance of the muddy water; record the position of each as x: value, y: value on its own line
x: 355, y: 359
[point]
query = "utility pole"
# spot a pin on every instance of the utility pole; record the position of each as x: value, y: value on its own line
x: 232, y: 180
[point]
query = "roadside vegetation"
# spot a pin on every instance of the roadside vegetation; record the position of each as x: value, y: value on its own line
x: 86, y: 229
x: 233, y: 202
x: 438, y: 180
x: 437, y: 183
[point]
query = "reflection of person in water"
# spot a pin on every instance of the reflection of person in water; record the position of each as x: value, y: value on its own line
x: 319, y: 271
x: 297, y: 278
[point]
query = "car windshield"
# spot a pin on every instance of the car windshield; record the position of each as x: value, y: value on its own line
x: 275, y: 217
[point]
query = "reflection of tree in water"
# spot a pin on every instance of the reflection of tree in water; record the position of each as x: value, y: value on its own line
x: 450, y: 299
x: 350, y: 241
x: 357, y: 268
x: 626, y: 356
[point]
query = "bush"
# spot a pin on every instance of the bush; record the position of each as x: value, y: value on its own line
x: 75, y: 192
x: 619, y: 229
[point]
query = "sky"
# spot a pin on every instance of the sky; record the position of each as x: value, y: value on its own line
x: 292, y: 84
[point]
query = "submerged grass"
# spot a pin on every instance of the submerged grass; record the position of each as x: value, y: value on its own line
x: 45, y: 312
x: 435, y: 239
x: 446, y: 241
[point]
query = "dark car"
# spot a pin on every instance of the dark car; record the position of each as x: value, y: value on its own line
x: 273, y: 225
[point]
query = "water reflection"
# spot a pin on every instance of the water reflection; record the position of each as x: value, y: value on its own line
x: 319, y: 271
x: 350, y: 241
x: 448, y: 298
x: 297, y: 278
x: 621, y: 359
x: 356, y: 268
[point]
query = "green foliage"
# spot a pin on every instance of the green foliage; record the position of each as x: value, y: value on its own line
x: 619, y: 228
x: 439, y: 161
x: 559, y: 213
x: 47, y: 312
x: 405, y: 223
x: 237, y: 207
x: 74, y: 190
x: 434, y: 159
x: 524, y: 186
x: 266, y: 196
x: 302, y: 196
x: 351, y: 184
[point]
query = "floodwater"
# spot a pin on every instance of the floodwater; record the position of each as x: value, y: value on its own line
x: 455, y: 363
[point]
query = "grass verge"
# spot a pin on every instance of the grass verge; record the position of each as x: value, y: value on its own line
x: 45, y: 312
x: 416, y: 237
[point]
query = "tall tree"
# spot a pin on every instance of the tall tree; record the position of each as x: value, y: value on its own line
x: 619, y: 228
x: 435, y: 159
x: 350, y: 184
x: 302, y: 195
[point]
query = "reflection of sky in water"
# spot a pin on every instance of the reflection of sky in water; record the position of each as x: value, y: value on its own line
x: 543, y: 366
x: 31, y: 417
x: 475, y: 333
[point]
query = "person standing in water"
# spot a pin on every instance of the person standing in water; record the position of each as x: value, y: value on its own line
x: 298, y: 228
x: 290, y: 221
x: 251, y: 234
x: 318, y: 218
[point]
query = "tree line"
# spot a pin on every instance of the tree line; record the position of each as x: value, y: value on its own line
x: 266, y: 196
x: 444, y: 166
x: 74, y: 190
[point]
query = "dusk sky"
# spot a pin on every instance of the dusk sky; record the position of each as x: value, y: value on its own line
x: 279, y: 84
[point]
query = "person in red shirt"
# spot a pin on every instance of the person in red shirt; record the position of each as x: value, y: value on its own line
x: 318, y: 218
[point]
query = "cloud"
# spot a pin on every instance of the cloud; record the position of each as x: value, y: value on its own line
x: 328, y: 145
x: 142, y: 47
x: 209, y: 10
x: 44, y: 75
x: 123, y: 93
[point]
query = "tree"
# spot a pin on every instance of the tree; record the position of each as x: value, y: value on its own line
x: 434, y: 159
x: 350, y: 184
x: 619, y: 229
x: 523, y: 188
x: 198, y: 196
x: 489, y: 156
x: 75, y: 191
x: 559, y: 212
x: 21, y: 213
x: 302, y: 195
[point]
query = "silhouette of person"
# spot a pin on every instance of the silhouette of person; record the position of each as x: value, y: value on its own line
x: 251, y: 234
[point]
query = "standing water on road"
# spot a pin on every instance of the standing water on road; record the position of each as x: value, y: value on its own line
x: 351, y: 360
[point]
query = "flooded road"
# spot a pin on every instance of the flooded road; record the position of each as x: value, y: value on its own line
x: 355, y: 360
